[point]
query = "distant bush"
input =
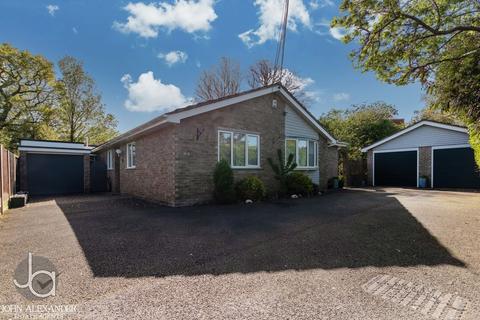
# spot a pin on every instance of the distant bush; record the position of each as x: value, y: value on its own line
x: 299, y: 183
x: 223, y: 183
x: 250, y: 188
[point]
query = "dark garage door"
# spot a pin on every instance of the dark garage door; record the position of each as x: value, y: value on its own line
x: 54, y: 174
x: 396, y: 169
x: 455, y: 168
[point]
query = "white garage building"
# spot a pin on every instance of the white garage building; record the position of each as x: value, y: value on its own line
x: 439, y: 152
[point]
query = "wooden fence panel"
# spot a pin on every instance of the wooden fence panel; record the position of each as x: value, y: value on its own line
x: 8, y: 177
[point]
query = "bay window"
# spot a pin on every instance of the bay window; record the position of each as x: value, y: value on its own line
x: 305, y: 152
x: 240, y: 150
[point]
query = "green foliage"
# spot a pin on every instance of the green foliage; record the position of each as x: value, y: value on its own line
x: 223, y: 183
x: 81, y: 112
x: 299, y: 183
x: 436, y: 115
x: 282, y: 169
x: 474, y: 130
x: 433, y: 42
x: 35, y: 105
x: 360, y: 125
x: 26, y: 90
x: 250, y: 188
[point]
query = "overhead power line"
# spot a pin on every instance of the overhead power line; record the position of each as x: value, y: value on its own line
x: 279, y: 56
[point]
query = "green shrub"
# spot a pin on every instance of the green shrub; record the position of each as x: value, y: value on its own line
x: 250, y: 188
x: 282, y: 169
x: 299, y: 183
x: 223, y: 183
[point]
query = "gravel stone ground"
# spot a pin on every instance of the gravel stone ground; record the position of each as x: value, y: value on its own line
x: 356, y: 254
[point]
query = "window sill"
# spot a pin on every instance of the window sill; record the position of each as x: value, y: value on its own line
x: 109, y: 169
x: 246, y: 168
x: 306, y: 168
x: 130, y: 168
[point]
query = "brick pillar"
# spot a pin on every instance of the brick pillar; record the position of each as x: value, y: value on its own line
x: 370, y: 168
x: 86, y: 173
x: 23, y: 171
x: 425, y: 164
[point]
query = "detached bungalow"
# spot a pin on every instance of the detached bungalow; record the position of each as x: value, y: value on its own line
x: 171, y: 158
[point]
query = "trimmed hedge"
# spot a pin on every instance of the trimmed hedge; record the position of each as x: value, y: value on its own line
x: 299, y: 183
x: 250, y: 188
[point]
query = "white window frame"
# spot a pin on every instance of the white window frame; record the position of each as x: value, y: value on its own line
x: 315, y: 160
x: 129, y: 164
x: 247, y: 166
x: 110, y: 159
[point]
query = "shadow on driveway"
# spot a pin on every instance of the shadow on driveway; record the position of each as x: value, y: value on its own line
x: 129, y: 238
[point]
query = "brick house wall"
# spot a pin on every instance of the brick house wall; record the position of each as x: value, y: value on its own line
x: 153, y: 177
x: 197, y: 143
x: 175, y: 164
x: 327, y: 161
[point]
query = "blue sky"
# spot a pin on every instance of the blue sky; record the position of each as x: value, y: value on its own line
x: 146, y: 57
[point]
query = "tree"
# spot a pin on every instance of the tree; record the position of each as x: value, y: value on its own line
x: 26, y: 90
x: 435, y: 115
x: 220, y: 81
x: 361, y: 125
x: 431, y: 41
x: 81, y: 111
x: 263, y: 73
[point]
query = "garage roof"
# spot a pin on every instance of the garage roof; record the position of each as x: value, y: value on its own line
x: 413, y: 127
x: 60, y: 147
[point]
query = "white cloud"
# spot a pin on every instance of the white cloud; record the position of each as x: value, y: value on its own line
x: 316, y: 4
x: 149, y: 94
x: 174, y: 57
x: 52, y: 8
x: 341, y: 96
x: 337, y: 33
x: 187, y: 15
x: 297, y: 81
x: 270, y: 17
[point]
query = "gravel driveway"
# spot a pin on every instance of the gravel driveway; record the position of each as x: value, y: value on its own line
x: 355, y: 254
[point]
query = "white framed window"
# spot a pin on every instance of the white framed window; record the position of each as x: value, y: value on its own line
x: 131, y: 156
x: 241, y: 150
x: 109, y: 159
x: 305, y: 152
